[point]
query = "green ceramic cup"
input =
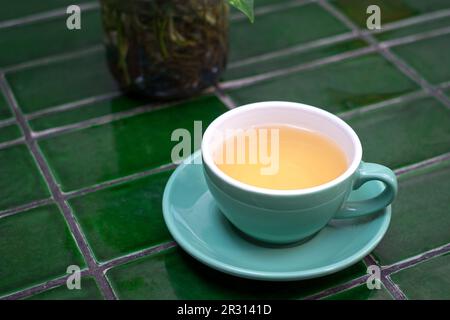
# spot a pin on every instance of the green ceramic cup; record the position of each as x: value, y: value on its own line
x: 289, y: 216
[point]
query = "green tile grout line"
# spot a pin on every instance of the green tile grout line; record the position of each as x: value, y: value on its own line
x: 108, y: 118
x: 302, y: 47
x: 61, y: 57
x: 445, y: 85
x: 25, y: 207
x: 11, y: 143
x: 415, y: 37
x: 118, y: 181
x: 412, y: 261
x: 393, y: 290
x: 340, y: 288
x: 423, y: 164
x: 7, y: 122
x: 410, y: 21
x: 224, y: 98
x: 41, y: 287
x: 247, y: 81
x: 72, y: 105
x: 408, y: 97
x: 56, y: 192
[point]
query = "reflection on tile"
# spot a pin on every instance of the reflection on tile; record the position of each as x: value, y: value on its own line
x: 5, y: 112
x: 336, y: 87
x: 124, y: 218
x: 391, y: 10
x: 361, y: 292
x: 96, y: 154
x: 48, y: 37
x: 173, y: 274
x: 20, y: 179
x: 427, y: 280
x: 89, y: 291
x: 429, y: 57
x: 36, y: 247
x: 292, y: 59
x: 420, y: 219
x: 403, y: 134
x: 10, y: 132
x: 280, y: 30
x: 86, y: 76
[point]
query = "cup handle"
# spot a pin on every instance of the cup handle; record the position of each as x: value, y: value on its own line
x: 367, y: 172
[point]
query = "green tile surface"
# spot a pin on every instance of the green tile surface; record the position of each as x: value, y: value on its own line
x: 22, y: 8
x: 431, y: 64
x: 391, y: 10
x: 335, y: 87
x: 246, y: 40
x: 10, y: 132
x: 125, y: 218
x: 36, y: 246
x: 20, y: 179
x: 90, y: 156
x: 134, y: 135
x: 361, y: 292
x: 49, y: 37
x: 421, y: 220
x: 175, y: 275
x: 89, y: 291
x: 403, y: 134
x: 67, y: 81
x: 427, y: 280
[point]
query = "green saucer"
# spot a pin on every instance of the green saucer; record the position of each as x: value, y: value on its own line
x: 200, y: 229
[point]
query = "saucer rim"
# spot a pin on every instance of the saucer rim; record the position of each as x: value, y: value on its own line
x: 263, y: 275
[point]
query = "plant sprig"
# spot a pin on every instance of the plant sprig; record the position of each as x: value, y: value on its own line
x: 246, y: 6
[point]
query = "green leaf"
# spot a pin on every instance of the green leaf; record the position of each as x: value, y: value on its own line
x: 246, y: 6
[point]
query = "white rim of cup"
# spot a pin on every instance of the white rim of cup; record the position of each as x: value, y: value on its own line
x: 208, y: 159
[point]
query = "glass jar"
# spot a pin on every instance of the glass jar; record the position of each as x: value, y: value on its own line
x: 166, y: 48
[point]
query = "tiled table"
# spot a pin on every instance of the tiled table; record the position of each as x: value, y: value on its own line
x: 82, y: 167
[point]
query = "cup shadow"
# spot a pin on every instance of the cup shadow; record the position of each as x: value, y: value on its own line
x: 258, y: 242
